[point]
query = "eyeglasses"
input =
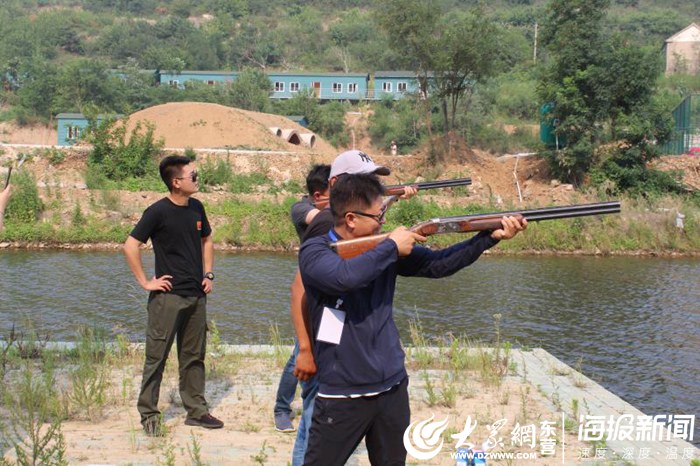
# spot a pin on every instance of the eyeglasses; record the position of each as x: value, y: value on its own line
x: 379, y: 218
x: 193, y: 176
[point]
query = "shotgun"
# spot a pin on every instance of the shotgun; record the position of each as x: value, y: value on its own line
x: 7, y: 181
x: 398, y: 189
x: 347, y: 249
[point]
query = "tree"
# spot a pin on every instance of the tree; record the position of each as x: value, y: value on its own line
x: 251, y: 90
x: 464, y: 54
x: 254, y: 44
x: 451, y: 52
x: 595, y: 81
x: 82, y: 82
x: 37, y: 85
x: 410, y: 26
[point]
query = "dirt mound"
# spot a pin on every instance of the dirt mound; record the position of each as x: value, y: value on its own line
x: 688, y: 164
x: 12, y: 133
x: 204, y: 125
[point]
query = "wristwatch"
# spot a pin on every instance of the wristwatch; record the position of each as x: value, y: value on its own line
x: 209, y: 275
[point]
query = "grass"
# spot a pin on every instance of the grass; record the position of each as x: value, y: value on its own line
x: 644, y: 225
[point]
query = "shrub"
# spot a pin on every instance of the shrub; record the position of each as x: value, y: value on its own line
x: 25, y: 205
x: 247, y: 183
x: 118, y: 158
x: 214, y: 173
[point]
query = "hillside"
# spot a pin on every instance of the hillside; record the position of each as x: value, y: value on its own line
x: 248, y: 142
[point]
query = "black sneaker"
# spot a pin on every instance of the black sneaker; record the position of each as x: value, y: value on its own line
x: 207, y: 421
x: 283, y: 423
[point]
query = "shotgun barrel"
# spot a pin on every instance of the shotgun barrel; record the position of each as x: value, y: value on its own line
x: 398, y: 188
x: 477, y: 222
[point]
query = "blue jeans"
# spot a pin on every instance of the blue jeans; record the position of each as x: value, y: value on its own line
x: 288, y: 385
x: 309, y: 389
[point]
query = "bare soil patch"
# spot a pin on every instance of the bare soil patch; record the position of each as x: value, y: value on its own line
x: 689, y: 165
x: 204, y: 125
x: 241, y: 389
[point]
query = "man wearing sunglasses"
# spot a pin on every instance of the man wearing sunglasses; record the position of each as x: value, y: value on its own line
x: 361, y: 375
x: 181, y: 235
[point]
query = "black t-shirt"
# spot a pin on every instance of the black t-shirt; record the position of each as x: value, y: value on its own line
x: 176, y: 232
x: 320, y: 225
x: 299, y: 212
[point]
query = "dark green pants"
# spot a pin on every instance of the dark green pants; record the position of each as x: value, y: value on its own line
x: 171, y: 316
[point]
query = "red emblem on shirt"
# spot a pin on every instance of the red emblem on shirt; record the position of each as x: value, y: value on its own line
x: 199, y: 226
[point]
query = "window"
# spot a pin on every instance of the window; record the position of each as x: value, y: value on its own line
x: 386, y: 87
x: 337, y: 88
x: 72, y: 133
x: 174, y: 83
x: 279, y: 86
x: 401, y: 87
x: 293, y: 87
x: 352, y: 88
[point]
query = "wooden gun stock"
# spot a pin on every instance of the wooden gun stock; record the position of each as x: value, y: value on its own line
x: 347, y: 249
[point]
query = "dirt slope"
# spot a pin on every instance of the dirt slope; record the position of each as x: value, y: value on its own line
x: 204, y: 125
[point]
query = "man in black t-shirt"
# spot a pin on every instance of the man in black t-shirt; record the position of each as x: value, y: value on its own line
x: 302, y: 213
x: 179, y: 230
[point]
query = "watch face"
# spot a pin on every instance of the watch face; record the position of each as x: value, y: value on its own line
x: 209, y: 275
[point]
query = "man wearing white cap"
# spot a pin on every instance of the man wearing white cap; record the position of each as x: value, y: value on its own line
x: 347, y: 163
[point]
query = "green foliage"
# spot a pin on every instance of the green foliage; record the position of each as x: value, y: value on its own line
x: 251, y: 91
x: 77, y: 219
x: 601, y: 87
x: 89, y: 378
x: 409, y: 212
x: 247, y: 183
x: 117, y: 157
x: 55, y: 156
x: 261, y: 224
x: 214, y: 173
x: 329, y: 122
x: 35, y: 417
x: 190, y: 153
x: 25, y: 205
x: 398, y: 121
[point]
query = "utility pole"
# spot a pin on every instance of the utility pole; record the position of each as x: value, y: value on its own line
x: 534, y: 53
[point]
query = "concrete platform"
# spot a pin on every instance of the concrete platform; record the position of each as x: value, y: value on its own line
x: 560, y: 384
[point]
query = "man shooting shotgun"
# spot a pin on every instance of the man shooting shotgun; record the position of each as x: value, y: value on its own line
x: 478, y: 222
x: 362, y: 381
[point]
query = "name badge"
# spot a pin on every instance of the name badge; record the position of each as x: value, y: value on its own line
x: 331, y: 329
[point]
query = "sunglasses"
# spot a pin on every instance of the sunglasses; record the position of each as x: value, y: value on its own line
x: 193, y: 177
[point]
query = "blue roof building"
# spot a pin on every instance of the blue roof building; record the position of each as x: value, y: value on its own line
x: 395, y: 84
x: 325, y: 86
x: 71, y: 127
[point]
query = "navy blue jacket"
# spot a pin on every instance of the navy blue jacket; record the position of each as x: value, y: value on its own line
x: 369, y: 357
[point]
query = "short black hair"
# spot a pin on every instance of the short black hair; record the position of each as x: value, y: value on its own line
x: 170, y: 167
x: 317, y: 179
x: 354, y: 192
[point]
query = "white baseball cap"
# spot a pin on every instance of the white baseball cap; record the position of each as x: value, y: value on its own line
x: 355, y: 161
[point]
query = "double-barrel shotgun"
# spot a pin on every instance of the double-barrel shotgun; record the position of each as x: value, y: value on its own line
x: 398, y: 189
x: 348, y: 249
